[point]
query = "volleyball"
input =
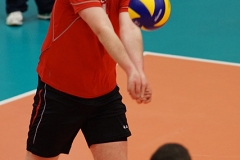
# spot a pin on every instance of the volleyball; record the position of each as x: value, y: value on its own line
x: 149, y: 14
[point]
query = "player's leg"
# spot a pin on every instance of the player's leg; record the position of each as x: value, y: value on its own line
x: 16, y: 5
x: 44, y: 8
x: 110, y: 151
x: 54, y: 123
x: 30, y: 156
x: 14, y: 9
x: 106, y: 131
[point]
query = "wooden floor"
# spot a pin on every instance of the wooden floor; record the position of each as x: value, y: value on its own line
x: 194, y: 103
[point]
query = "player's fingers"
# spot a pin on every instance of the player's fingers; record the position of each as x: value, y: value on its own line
x: 138, y: 88
x: 147, y: 100
x: 139, y: 101
x: 143, y: 90
x: 144, y: 85
x: 131, y: 90
x: 147, y: 97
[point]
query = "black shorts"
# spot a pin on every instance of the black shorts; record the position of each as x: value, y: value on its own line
x: 57, y: 117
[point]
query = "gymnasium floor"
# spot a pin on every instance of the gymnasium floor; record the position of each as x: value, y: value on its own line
x: 193, y: 64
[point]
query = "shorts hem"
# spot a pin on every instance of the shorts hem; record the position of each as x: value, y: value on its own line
x: 113, y: 139
x: 45, y: 155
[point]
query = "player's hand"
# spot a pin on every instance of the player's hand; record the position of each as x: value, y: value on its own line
x: 134, y: 85
x: 146, y: 91
x: 147, y: 97
x: 139, y: 88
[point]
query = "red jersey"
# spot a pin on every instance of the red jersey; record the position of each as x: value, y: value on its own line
x: 72, y: 59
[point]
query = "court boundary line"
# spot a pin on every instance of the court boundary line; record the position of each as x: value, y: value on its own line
x: 20, y: 96
x: 191, y: 58
x: 145, y: 54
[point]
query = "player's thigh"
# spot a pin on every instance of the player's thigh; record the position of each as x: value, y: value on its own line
x: 30, y: 156
x: 110, y: 151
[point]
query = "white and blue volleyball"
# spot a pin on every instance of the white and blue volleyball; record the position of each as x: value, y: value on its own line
x: 149, y: 14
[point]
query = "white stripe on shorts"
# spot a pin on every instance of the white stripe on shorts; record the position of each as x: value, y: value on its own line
x: 44, y: 97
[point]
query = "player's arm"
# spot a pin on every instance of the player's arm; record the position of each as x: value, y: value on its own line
x: 99, y: 22
x: 131, y: 38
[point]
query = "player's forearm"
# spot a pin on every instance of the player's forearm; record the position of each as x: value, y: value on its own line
x: 100, y: 24
x: 115, y: 48
x: 132, y: 40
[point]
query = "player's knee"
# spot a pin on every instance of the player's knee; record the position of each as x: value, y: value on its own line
x: 31, y: 156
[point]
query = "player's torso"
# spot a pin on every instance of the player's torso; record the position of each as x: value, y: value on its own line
x: 73, y: 60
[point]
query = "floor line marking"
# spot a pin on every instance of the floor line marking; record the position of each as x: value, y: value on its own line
x: 17, y: 97
x: 192, y: 59
x: 145, y: 53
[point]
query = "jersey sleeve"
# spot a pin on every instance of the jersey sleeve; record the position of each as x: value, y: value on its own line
x: 79, y: 5
x: 124, y: 5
